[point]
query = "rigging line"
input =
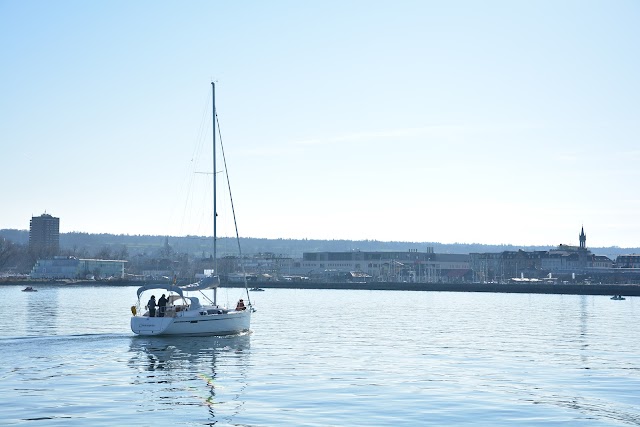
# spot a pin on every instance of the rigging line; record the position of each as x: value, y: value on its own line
x: 195, y: 155
x: 233, y: 211
x: 203, y: 129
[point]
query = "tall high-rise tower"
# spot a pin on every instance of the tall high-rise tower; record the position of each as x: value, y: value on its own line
x: 44, y: 234
x: 583, y: 239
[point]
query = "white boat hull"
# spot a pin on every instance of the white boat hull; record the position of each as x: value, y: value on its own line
x: 229, y: 323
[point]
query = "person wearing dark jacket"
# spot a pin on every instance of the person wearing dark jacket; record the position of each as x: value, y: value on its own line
x: 151, y: 305
x: 162, y: 305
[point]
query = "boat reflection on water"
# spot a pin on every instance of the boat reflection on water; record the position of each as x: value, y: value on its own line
x: 180, y: 372
x: 169, y: 352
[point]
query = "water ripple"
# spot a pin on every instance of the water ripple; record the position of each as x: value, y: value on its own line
x: 318, y: 358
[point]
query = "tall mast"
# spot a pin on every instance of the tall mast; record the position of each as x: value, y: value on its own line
x: 215, y: 210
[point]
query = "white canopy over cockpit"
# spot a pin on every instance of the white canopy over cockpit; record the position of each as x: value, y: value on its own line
x: 170, y: 288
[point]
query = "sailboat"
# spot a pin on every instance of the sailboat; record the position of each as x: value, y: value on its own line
x: 182, y: 313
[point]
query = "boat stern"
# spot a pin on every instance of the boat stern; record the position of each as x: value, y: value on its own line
x: 150, y: 325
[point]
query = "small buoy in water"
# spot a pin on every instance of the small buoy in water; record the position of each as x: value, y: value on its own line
x: 133, y: 310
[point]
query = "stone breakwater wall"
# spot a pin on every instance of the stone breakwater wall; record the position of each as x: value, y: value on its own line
x: 571, y: 289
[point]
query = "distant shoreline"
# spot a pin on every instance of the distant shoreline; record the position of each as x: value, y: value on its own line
x: 569, y: 289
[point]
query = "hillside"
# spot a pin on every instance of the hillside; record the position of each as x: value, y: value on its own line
x: 85, y: 244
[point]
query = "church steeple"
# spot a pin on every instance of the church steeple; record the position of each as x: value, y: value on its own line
x: 583, y: 239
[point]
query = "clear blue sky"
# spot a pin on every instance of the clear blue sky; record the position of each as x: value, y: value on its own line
x: 449, y: 121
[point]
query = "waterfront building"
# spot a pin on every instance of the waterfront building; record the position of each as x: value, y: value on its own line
x: 60, y: 267
x: 266, y: 264
x: 409, y: 266
x: 601, y: 261
x: 55, y: 268
x: 564, y: 260
x: 44, y: 234
x: 628, y: 261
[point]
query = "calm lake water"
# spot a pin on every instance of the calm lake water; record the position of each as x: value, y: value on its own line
x: 324, y: 358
